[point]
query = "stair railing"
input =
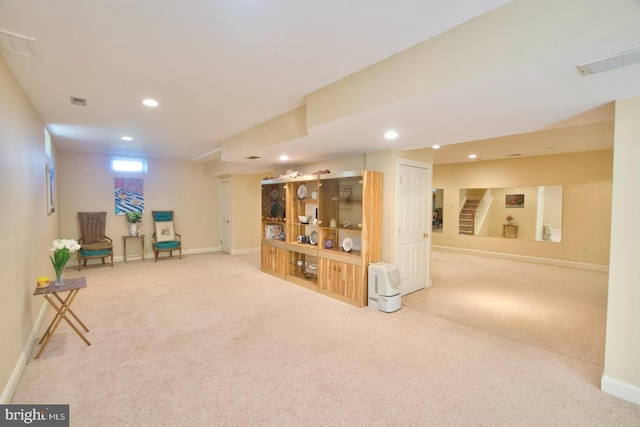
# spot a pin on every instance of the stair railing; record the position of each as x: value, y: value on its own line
x: 482, y: 210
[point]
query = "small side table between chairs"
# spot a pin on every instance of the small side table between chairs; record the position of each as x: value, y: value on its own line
x: 51, y: 294
x: 510, y: 230
x: 124, y: 245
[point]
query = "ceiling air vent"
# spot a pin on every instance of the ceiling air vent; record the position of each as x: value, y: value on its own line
x: 252, y: 157
x: 19, y: 45
x: 78, y: 101
x: 625, y: 58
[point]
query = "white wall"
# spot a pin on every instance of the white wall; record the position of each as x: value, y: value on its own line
x: 27, y: 229
x: 246, y: 211
x: 586, y: 181
x: 622, y: 350
x: 87, y: 184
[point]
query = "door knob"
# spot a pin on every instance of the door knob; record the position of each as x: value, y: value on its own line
x: 425, y: 235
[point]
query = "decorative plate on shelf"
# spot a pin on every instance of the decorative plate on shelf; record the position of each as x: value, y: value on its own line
x: 314, y: 194
x: 313, y: 238
x: 347, y: 244
x: 302, y: 191
x: 277, y: 210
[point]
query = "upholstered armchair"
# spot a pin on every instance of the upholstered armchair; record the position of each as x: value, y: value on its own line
x: 93, y: 242
x: 165, y: 239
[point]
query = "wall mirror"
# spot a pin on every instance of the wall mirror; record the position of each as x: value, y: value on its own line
x: 437, y: 204
x: 527, y: 213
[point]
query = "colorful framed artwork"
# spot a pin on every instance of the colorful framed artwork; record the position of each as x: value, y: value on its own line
x: 129, y: 195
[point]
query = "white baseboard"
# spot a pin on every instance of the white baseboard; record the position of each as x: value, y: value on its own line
x: 525, y: 258
x: 14, y: 379
x: 149, y: 255
x: 200, y: 250
x: 245, y: 251
x: 617, y: 388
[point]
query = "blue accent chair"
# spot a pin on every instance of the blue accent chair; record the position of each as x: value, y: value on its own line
x: 165, y: 239
x: 93, y: 242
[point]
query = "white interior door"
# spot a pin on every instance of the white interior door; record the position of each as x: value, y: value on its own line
x: 413, y: 255
x: 225, y: 216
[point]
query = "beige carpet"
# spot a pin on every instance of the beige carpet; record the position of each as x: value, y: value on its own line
x: 559, y: 309
x: 210, y: 340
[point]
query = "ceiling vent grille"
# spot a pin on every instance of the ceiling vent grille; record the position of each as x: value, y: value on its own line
x: 78, y: 101
x: 616, y: 61
x: 19, y: 45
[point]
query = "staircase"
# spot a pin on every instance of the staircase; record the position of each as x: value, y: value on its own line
x: 467, y: 215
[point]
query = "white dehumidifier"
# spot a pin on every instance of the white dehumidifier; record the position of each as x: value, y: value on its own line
x: 384, y: 287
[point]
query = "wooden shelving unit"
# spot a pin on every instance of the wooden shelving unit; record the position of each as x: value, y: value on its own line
x: 329, y: 254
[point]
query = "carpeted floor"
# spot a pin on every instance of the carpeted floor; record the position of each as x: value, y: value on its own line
x: 559, y: 309
x: 211, y: 340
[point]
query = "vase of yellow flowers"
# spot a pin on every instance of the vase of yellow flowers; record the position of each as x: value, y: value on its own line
x: 62, y: 250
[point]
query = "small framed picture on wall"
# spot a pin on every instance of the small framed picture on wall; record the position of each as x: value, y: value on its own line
x: 51, y: 188
x: 514, y: 201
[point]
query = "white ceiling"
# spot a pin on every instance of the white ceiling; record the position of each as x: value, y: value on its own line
x: 219, y: 67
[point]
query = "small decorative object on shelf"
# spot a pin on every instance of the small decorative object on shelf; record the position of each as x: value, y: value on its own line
x: 347, y: 244
x: 304, y: 219
x: 291, y: 174
x: 509, y: 219
x: 302, y: 191
x: 62, y: 250
x: 347, y: 194
x: 134, y: 218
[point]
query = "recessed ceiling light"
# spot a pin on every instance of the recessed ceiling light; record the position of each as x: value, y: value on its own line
x: 284, y: 157
x: 150, y: 102
x: 126, y: 138
x: 435, y: 146
x: 391, y: 134
x: 473, y: 156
